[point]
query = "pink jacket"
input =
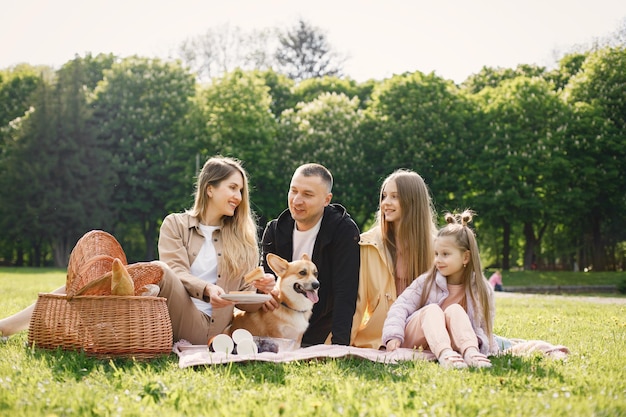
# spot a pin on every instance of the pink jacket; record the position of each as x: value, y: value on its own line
x: 408, y: 303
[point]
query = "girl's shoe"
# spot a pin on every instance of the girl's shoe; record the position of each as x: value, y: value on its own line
x: 475, y: 359
x: 451, y: 359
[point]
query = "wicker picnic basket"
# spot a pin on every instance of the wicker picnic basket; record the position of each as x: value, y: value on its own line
x: 92, y: 320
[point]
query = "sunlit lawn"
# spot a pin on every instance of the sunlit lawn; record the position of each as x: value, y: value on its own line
x: 591, y: 382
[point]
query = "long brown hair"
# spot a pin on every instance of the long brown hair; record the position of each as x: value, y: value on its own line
x: 416, y: 229
x: 473, y: 279
x: 239, y: 232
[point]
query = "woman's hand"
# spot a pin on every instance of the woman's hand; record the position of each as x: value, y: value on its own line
x: 265, y: 284
x: 393, y: 344
x: 215, y: 292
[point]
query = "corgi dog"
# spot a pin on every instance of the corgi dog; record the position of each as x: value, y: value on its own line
x: 298, y: 286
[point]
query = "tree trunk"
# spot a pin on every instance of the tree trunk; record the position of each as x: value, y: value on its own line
x: 149, y: 233
x: 19, y: 255
x: 598, y: 260
x: 506, y: 245
x: 529, y: 247
x: 61, y: 252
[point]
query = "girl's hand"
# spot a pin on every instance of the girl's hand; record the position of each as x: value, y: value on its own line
x: 393, y: 344
x: 265, y: 284
x: 214, y: 292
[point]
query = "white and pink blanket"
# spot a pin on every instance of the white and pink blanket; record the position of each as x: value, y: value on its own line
x: 193, y: 355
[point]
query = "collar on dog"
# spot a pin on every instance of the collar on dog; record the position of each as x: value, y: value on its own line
x: 293, y: 309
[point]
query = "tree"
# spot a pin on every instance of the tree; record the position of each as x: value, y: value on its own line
x: 54, y: 173
x: 325, y: 131
x: 140, y: 108
x: 83, y: 178
x: 598, y: 132
x: 421, y: 122
x: 521, y: 174
x: 310, y: 89
x: 569, y: 66
x: 223, y: 49
x: 16, y: 88
x: 27, y: 167
x: 492, y: 77
x: 280, y: 91
x: 239, y: 123
x: 304, y: 52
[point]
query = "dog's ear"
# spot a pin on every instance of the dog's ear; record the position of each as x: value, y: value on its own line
x: 305, y: 257
x: 278, y: 264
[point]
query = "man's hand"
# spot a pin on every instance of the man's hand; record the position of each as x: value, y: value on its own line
x: 272, y: 304
x: 266, y: 284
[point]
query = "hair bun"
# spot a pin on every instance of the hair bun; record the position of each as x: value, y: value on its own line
x: 466, y: 217
x: 450, y: 219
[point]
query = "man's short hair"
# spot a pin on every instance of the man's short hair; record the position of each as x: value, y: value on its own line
x: 316, y: 170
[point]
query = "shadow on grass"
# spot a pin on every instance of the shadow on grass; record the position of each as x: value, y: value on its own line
x: 536, y: 367
x: 67, y: 365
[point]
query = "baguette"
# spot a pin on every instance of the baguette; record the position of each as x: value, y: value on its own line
x: 121, y: 282
x: 254, y: 275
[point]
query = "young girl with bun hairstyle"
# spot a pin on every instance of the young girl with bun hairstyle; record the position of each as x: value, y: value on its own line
x: 450, y: 309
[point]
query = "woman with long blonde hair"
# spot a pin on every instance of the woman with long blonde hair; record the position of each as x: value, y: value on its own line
x: 207, y: 250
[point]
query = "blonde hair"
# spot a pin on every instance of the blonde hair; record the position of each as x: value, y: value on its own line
x: 473, y: 278
x: 416, y: 229
x: 239, y: 232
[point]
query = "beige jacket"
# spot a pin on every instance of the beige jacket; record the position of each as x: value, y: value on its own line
x: 180, y: 241
x: 377, y: 291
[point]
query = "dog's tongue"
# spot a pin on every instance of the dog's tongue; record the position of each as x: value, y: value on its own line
x: 312, y: 295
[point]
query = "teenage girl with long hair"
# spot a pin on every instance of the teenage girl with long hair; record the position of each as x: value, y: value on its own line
x: 398, y: 248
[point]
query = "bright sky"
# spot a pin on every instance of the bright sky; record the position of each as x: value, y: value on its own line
x: 454, y: 38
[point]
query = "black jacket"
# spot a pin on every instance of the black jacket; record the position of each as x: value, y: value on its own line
x: 336, y: 255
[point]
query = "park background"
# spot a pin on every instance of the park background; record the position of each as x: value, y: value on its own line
x: 114, y: 143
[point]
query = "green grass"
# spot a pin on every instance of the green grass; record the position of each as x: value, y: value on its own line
x: 591, y: 382
x: 538, y: 278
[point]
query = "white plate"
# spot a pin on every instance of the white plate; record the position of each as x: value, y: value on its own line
x: 247, y: 298
x: 193, y: 347
x: 222, y: 343
x: 239, y: 335
x: 247, y: 347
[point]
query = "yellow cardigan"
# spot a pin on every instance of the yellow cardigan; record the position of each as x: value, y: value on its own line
x: 377, y: 291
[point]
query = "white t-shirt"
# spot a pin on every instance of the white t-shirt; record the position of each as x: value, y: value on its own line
x: 303, y: 242
x: 205, y: 266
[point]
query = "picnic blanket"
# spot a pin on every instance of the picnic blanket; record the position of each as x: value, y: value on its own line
x: 194, y: 355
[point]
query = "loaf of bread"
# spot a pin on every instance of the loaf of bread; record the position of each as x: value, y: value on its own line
x: 256, y: 274
x: 121, y: 282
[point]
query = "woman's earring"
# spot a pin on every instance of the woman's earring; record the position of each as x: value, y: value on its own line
x: 464, y: 265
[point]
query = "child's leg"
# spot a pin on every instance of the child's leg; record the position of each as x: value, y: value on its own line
x: 463, y: 337
x: 20, y: 320
x: 461, y: 332
x: 427, y: 329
